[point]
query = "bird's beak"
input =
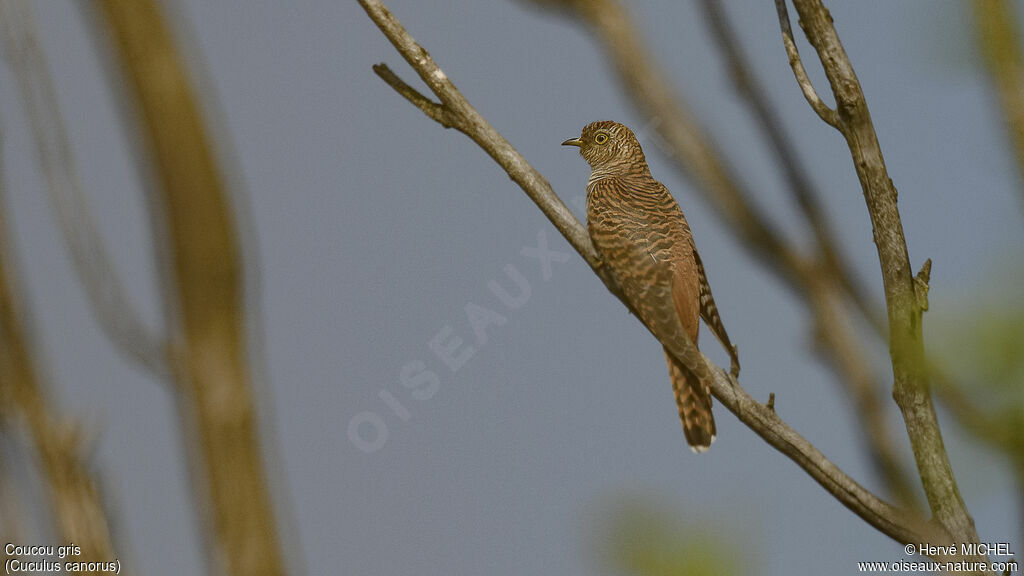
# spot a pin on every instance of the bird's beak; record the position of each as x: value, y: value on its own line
x: 573, y: 142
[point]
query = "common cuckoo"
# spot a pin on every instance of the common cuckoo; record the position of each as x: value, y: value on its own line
x: 642, y: 236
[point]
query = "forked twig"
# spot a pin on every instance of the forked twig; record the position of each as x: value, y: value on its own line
x: 905, y: 294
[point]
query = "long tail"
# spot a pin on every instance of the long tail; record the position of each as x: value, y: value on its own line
x: 693, y: 399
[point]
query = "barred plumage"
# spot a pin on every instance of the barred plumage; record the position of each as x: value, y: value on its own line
x: 709, y: 312
x: 641, y: 234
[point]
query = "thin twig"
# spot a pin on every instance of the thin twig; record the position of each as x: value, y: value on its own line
x: 828, y: 115
x: 796, y: 175
x: 896, y: 523
x: 482, y: 133
x: 109, y: 300
x: 435, y: 111
x: 911, y: 378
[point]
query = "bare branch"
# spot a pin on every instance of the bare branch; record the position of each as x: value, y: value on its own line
x: 896, y: 523
x: 836, y: 342
x: 828, y: 115
x: 435, y: 111
x: 211, y: 355
x: 911, y: 382
x: 474, y: 126
x: 110, y: 302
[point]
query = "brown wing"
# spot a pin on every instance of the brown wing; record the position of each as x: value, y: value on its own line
x: 651, y: 261
x: 648, y: 261
x: 709, y: 312
x: 693, y: 397
x: 686, y: 293
x: 663, y: 298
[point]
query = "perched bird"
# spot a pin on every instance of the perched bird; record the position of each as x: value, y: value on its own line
x: 643, y: 238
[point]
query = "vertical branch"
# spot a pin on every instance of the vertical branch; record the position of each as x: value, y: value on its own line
x: 71, y: 489
x: 904, y: 305
x: 837, y: 345
x: 996, y: 22
x: 210, y: 362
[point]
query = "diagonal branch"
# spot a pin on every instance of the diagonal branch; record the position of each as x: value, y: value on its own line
x: 433, y: 110
x: 894, y: 522
x: 482, y: 133
x: 903, y: 294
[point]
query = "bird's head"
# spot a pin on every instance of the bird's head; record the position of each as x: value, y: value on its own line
x: 609, y: 147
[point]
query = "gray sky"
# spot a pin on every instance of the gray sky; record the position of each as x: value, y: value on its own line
x: 375, y: 229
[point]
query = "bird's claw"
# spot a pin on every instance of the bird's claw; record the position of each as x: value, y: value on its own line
x: 734, y: 363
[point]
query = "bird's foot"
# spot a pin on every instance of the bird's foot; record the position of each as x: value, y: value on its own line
x: 734, y: 363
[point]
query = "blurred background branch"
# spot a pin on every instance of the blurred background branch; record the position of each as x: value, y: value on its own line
x: 71, y: 489
x: 984, y: 346
x: 836, y: 341
x: 905, y: 294
x: 999, y: 40
x: 997, y: 34
x: 771, y: 126
x: 210, y: 358
x: 111, y: 305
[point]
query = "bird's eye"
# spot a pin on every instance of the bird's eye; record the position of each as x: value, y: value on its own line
x: 601, y: 138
